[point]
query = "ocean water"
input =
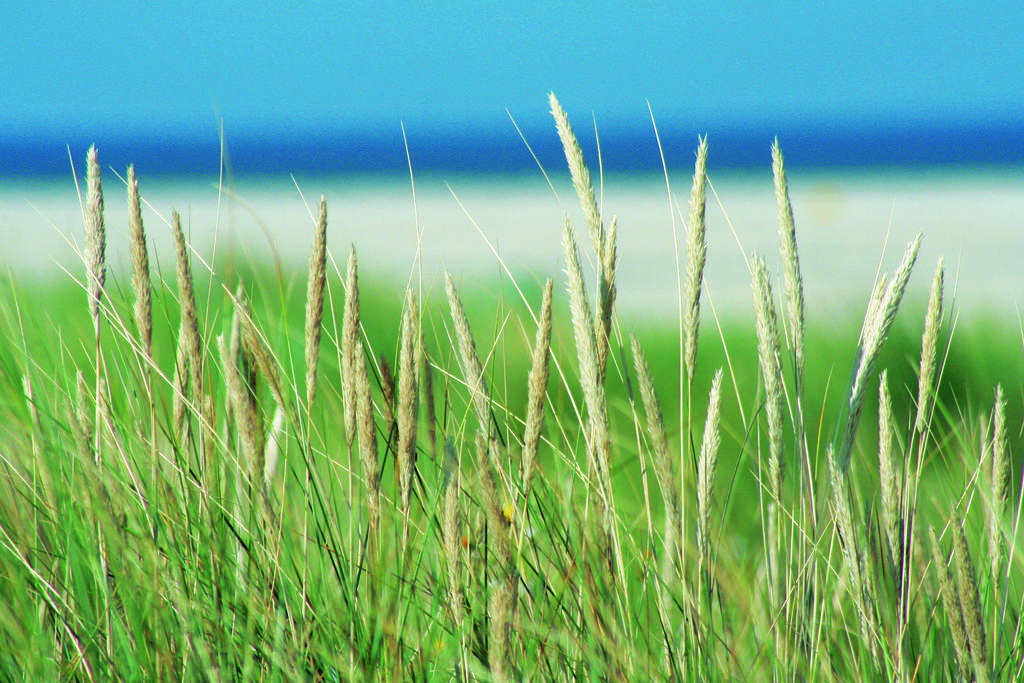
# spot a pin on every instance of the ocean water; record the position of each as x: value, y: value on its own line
x: 851, y: 224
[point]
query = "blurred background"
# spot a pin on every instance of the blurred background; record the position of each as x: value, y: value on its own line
x: 894, y: 118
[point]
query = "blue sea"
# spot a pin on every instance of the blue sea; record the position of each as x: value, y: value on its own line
x: 480, y: 204
x: 503, y: 152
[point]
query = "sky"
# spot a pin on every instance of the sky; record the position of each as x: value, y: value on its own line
x: 170, y: 71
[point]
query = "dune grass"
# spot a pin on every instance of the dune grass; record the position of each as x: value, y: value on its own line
x: 233, y: 473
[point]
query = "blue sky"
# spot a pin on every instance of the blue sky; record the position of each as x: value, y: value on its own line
x: 148, y: 68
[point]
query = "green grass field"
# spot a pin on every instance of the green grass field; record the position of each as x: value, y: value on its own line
x: 185, y: 511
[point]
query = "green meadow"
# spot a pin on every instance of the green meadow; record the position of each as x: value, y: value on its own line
x: 220, y: 469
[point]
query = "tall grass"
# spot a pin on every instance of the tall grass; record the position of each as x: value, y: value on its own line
x: 249, y: 492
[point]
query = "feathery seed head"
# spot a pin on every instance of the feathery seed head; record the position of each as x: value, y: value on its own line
x: 929, y: 340
x: 580, y: 175
x: 696, y: 254
x: 95, y: 234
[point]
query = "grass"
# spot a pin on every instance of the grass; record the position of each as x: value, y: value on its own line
x: 230, y: 472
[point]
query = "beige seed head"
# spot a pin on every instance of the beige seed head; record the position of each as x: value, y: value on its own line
x: 795, y: 308
x: 929, y: 340
x: 537, y: 389
x: 140, y: 267
x: 367, y: 437
x: 349, y: 341
x: 706, y: 466
x: 188, y: 378
x: 877, y: 323
x: 586, y: 352
x: 951, y: 605
x: 664, y: 469
x: 1000, y: 487
x: 450, y: 531
x: 580, y: 175
x: 696, y: 255
x: 606, y: 297
x: 472, y: 369
x: 315, y: 301
x: 95, y: 235
x: 970, y: 599
x: 771, y: 371
x: 387, y: 391
x: 887, y: 472
x: 81, y: 421
x: 405, y: 459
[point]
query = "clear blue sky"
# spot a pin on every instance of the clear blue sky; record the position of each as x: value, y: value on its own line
x: 146, y: 67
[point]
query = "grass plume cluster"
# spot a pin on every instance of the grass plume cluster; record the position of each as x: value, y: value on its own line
x: 200, y: 485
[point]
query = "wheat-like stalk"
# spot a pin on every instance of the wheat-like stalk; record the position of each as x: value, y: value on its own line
x: 405, y: 458
x: 81, y: 423
x: 387, y: 392
x: 586, y: 351
x: 887, y: 474
x: 367, y: 438
x: 472, y: 369
x: 188, y: 368
x: 951, y: 606
x: 143, y: 311
x: 243, y: 392
x: 349, y: 341
x: 140, y: 268
x: 795, y: 307
x: 95, y: 235
x: 503, y: 599
x: 881, y: 314
x: 771, y: 372
x: 859, y: 577
x: 315, y: 286
x: 580, y: 175
x: 696, y: 255
x: 970, y: 599
x: 428, y: 397
x: 929, y: 340
x: 664, y: 469
x: 1000, y: 487
x: 605, y: 296
x: 450, y: 532
x: 537, y: 390
x: 706, y: 468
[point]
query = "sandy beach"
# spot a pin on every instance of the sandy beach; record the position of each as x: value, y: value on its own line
x: 848, y: 227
